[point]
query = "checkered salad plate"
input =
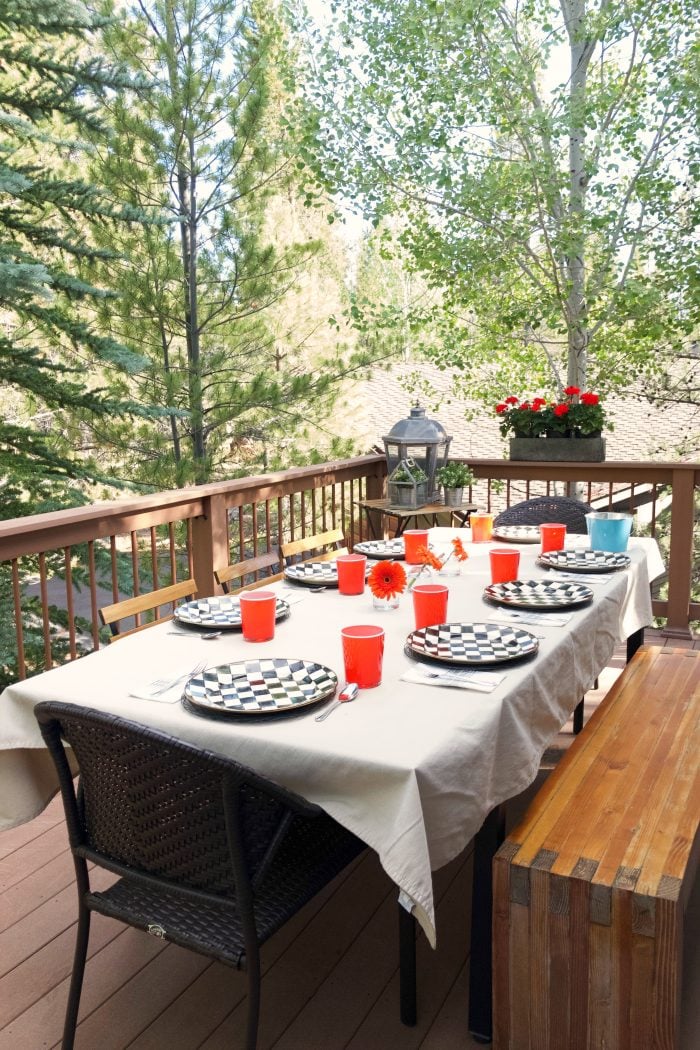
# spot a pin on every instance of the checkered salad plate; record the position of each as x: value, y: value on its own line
x: 584, y: 560
x: 313, y: 573
x: 223, y: 612
x: 260, y: 687
x: 517, y: 533
x: 471, y: 643
x: 381, y: 549
x: 538, y: 594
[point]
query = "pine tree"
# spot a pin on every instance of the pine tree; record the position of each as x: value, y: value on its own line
x: 51, y: 356
x: 206, y: 299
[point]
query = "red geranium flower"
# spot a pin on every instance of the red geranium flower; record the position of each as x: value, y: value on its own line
x: 561, y: 410
x: 501, y: 409
x: 387, y: 579
x: 512, y: 400
x: 537, y: 403
x: 571, y: 391
x: 524, y: 406
x: 589, y: 398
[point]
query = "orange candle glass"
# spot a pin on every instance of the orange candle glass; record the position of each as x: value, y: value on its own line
x: 430, y: 604
x: 482, y: 527
x: 351, y: 573
x: 363, y: 653
x: 258, y: 615
x: 412, y: 540
x: 552, y: 536
x: 504, y: 564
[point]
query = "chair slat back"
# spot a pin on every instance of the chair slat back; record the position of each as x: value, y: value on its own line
x: 229, y: 574
x: 333, y: 538
x: 111, y: 615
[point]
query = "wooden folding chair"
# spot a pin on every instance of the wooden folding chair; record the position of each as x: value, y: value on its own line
x: 320, y: 543
x: 153, y: 601
x: 236, y: 573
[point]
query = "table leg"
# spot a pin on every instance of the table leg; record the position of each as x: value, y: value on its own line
x: 407, y: 967
x: 489, y: 837
x: 633, y: 643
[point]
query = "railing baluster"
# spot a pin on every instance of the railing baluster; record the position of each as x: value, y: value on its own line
x: 43, y: 590
x: 136, y: 582
x: 69, y: 602
x: 190, y: 551
x: 19, y: 626
x: 94, y: 614
x: 254, y: 512
x: 115, y: 574
x: 154, y: 559
x: 172, y: 557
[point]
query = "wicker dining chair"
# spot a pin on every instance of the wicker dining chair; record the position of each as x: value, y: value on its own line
x: 566, y: 511
x: 563, y: 509
x: 211, y: 856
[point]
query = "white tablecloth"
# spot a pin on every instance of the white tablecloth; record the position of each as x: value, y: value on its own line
x: 412, y: 769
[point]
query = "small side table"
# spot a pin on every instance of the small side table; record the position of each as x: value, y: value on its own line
x: 403, y: 515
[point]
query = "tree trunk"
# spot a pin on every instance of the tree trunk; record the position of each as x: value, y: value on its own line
x: 580, y: 51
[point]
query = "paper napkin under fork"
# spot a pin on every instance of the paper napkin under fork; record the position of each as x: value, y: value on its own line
x: 536, y: 619
x: 457, y: 678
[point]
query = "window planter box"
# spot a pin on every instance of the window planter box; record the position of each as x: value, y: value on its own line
x: 558, y: 450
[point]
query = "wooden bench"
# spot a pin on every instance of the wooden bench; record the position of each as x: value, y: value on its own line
x: 590, y: 889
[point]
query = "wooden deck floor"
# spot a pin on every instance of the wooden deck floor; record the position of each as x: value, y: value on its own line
x: 330, y: 976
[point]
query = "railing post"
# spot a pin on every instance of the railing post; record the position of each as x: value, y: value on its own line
x: 375, y: 488
x: 210, y: 544
x: 680, y: 554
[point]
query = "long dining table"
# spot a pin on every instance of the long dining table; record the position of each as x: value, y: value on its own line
x: 413, y: 768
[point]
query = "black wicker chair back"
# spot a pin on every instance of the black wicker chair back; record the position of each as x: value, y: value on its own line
x: 563, y: 509
x: 210, y: 855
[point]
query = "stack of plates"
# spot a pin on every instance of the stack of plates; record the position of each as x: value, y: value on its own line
x: 260, y: 687
x: 584, y: 560
x: 517, y: 533
x: 538, y: 594
x: 222, y: 612
x: 381, y: 549
x: 471, y: 643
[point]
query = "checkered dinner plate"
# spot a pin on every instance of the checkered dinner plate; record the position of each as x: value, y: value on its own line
x: 381, y: 549
x: 517, y: 533
x: 538, y: 594
x: 260, y: 687
x: 471, y: 643
x: 585, y: 560
x: 313, y: 573
x: 223, y: 612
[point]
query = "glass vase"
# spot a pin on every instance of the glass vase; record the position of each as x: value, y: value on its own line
x: 384, y: 604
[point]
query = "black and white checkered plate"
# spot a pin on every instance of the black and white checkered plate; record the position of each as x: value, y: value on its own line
x: 381, y: 549
x: 260, y: 687
x: 313, y: 573
x: 223, y: 612
x: 538, y: 594
x: 585, y: 560
x: 471, y: 643
x: 517, y: 533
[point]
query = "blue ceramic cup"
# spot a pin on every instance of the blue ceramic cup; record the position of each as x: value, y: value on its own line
x: 608, y: 531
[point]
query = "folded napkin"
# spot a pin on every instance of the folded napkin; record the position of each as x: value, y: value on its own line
x: 165, y: 690
x: 292, y: 595
x: 458, y: 678
x: 538, y: 619
x: 580, y: 577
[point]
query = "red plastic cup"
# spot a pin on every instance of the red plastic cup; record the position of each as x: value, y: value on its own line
x: 504, y: 564
x: 258, y: 615
x: 553, y: 536
x: 482, y: 527
x: 363, y: 651
x: 351, y: 573
x: 430, y: 604
x: 412, y: 540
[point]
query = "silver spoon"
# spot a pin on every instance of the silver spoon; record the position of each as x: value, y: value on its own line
x: 346, y: 694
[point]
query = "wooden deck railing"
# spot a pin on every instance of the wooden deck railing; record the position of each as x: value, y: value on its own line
x: 57, y: 569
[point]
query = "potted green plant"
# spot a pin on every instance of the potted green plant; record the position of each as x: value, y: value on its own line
x: 408, y: 485
x: 454, y: 478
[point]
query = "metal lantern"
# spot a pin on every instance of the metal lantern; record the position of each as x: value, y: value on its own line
x: 423, y: 440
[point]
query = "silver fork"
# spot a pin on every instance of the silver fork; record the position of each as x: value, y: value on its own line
x: 161, y: 685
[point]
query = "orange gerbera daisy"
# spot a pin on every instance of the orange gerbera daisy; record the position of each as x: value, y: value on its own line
x: 387, y: 579
x: 428, y: 558
x: 458, y: 549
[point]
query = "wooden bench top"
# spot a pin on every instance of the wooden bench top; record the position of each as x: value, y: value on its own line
x: 623, y: 806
